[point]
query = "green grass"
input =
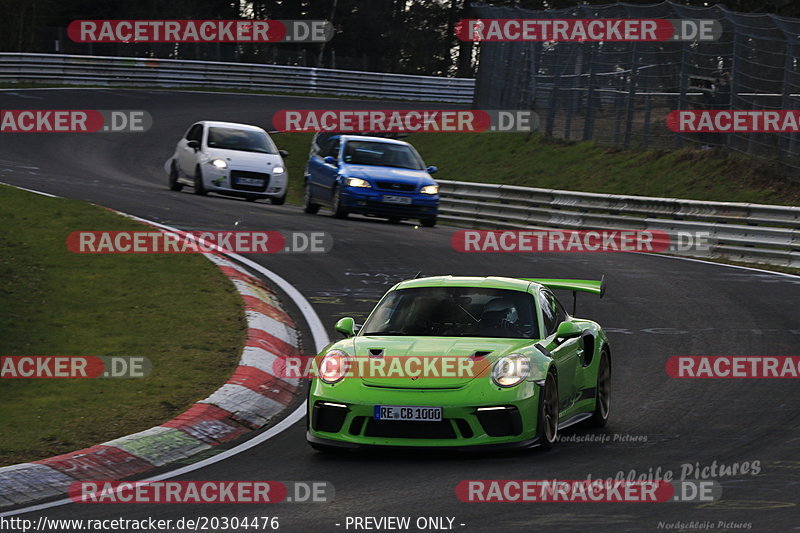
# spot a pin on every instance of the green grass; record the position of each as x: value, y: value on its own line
x: 520, y: 159
x: 177, y: 310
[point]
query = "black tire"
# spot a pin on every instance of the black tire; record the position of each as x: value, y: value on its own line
x: 173, y: 178
x: 280, y: 200
x: 428, y: 222
x: 198, y: 182
x: 338, y: 210
x: 547, y: 424
x: 308, y: 206
x: 603, y: 392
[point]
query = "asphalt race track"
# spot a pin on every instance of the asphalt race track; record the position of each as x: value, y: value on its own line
x: 655, y: 307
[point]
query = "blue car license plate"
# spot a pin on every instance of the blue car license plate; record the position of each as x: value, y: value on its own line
x: 393, y: 199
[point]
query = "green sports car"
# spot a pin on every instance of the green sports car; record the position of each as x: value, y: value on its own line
x: 464, y: 362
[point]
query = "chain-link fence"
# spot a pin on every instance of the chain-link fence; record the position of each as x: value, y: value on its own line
x: 621, y: 92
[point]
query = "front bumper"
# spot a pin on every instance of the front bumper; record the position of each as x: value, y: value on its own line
x: 222, y: 181
x: 495, y: 419
x: 365, y: 201
x: 343, y: 445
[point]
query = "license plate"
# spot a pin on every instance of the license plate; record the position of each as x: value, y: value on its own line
x: 391, y: 199
x: 253, y: 182
x: 407, y: 412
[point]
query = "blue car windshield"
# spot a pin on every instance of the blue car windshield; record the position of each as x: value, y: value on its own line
x: 243, y: 140
x: 455, y: 312
x: 377, y: 153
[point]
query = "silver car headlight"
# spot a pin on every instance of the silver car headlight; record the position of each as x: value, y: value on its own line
x: 219, y: 163
x: 430, y: 189
x: 357, y: 182
x: 278, y: 170
x: 511, y: 370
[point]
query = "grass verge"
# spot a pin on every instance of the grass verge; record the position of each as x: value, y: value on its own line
x: 532, y: 161
x: 177, y: 310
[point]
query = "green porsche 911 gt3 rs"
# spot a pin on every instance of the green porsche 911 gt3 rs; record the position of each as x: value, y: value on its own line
x: 465, y: 362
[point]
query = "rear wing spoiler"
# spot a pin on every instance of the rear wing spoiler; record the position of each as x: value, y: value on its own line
x: 574, y: 285
x: 582, y: 285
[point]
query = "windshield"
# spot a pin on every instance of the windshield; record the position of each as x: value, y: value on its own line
x: 243, y: 140
x: 454, y: 312
x: 382, y: 154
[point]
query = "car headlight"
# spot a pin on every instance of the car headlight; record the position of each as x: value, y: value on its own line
x: 219, y: 163
x: 430, y: 189
x: 278, y: 170
x: 333, y: 366
x: 511, y: 370
x: 357, y: 182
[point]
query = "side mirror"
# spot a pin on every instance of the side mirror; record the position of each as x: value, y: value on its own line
x: 283, y: 153
x: 329, y: 159
x: 568, y: 330
x: 194, y: 144
x: 432, y: 170
x: 346, y: 326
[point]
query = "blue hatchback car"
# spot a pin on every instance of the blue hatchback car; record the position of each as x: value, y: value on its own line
x: 373, y: 176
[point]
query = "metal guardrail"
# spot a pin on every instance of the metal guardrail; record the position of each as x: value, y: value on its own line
x: 742, y: 232
x: 152, y: 72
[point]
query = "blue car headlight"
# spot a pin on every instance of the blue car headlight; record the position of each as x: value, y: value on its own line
x: 430, y: 189
x: 357, y: 182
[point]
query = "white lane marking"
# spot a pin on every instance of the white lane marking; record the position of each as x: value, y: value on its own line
x: 31, y: 190
x: 723, y: 264
x: 318, y: 333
